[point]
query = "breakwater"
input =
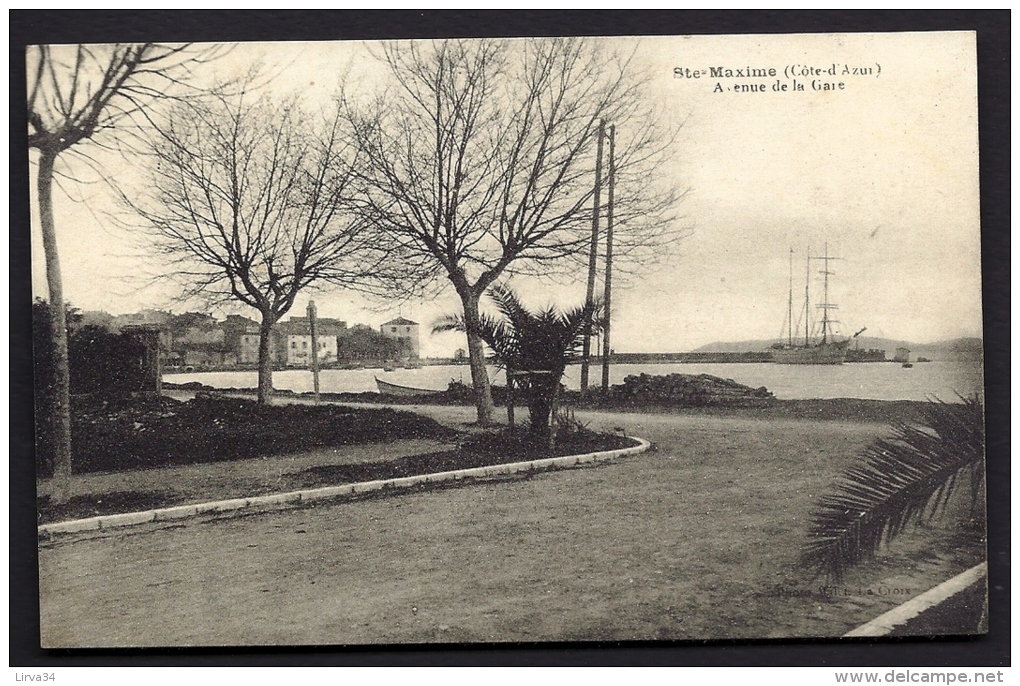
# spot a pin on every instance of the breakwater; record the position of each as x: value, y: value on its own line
x: 690, y: 358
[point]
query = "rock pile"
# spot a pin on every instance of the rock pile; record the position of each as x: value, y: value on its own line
x: 693, y: 390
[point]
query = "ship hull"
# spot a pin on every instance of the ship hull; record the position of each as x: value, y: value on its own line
x: 822, y: 353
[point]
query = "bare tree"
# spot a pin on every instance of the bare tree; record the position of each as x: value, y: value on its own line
x: 246, y: 203
x: 481, y: 164
x: 79, y: 94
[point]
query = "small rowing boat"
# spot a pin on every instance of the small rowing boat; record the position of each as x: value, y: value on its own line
x: 387, y: 388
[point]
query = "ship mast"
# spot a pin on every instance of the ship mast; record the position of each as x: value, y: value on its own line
x: 789, y: 328
x: 807, y: 300
x: 825, y: 298
x: 825, y: 306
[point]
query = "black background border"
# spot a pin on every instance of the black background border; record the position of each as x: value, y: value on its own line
x: 993, y: 34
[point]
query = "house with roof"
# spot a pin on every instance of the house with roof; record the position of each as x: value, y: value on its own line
x: 296, y: 337
x: 248, y: 345
x: 197, y: 341
x: 405, y: 332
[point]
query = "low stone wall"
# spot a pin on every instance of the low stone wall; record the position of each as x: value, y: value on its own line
x: 296, y: 498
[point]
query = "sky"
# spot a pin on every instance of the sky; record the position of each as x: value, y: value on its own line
x: 881, y: 172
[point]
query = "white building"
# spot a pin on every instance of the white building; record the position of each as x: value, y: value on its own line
x: 298, y: 342
x: 299, y: 349
x: 406, y: 332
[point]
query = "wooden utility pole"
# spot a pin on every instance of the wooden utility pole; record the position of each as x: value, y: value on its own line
x: 606, y: 350
x: 315, y: 349
x: 593, y: 255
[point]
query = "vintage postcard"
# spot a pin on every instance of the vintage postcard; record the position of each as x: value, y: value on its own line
x: 508, y: 340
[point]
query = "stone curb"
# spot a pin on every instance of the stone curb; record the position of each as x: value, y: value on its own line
x: 901, y: 614
x: 285, y: 500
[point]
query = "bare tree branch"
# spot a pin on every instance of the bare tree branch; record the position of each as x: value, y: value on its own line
x: 249, y: 199
x: 88, y: 93
x: 480, y: 163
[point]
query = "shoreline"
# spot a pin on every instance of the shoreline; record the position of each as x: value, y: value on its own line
x: 835, y: 409
x: 870, y: 416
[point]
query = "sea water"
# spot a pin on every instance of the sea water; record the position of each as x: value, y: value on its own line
x: 944, y: 379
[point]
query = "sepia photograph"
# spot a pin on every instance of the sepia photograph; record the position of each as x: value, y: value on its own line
x: 484, y: 340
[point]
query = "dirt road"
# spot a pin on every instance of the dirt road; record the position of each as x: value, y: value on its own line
x: 697, y: 539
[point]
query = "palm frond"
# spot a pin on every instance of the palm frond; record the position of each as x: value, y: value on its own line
x: 544, y: 340
x: 904, y: 479
x: 448, y: 322
x: 510, y: 306
x: 500, y: 338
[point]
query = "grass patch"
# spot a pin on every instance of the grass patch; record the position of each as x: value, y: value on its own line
x: 160, y: 432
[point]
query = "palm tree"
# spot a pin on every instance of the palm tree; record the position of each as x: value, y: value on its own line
x: 534, y: 348
x: 907, y: 478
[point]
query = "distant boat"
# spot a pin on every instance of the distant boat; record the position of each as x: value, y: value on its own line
x: 907, y: 365
x: 826, y: 350
x: 387, y: 388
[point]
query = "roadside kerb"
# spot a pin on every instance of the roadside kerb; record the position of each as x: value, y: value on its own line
x: 282, y: 500
x: 884, y: 624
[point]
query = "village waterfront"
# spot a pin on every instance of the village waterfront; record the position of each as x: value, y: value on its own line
x: 942, y: 379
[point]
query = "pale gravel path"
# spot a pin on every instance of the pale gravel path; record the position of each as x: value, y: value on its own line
x: 695, y: 540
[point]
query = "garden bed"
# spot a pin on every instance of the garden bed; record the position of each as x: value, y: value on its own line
x: 162, y: 437
x: 479, y: 450
x: 155, y: 431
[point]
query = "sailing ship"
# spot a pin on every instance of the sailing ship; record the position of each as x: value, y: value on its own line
x: 826, y: 349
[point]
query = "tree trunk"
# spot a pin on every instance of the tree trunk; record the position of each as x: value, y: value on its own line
x: 476, y: 356
x: 265, y: 362
x: 540, y: 406
x: 553, y: 404
x: 61, y: 419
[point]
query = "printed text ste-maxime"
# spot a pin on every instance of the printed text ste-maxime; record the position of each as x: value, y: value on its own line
x: 793, y: 78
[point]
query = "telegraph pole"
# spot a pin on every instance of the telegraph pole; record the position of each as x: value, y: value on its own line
x: 593, y: 255
x: 315, y: 349
x: 606, y: 350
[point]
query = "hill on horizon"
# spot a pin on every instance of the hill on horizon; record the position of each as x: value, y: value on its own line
x: 952, y: 348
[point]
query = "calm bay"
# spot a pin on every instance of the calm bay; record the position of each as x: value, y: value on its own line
x: 943, y: 379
